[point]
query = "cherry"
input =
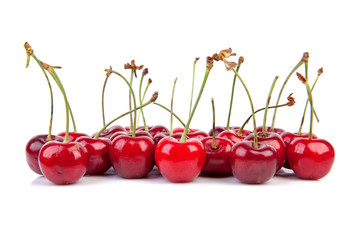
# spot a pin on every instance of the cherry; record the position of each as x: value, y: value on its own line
x: 218, y: 130
x: 73, y: 135
x: 274, y: 140
x: 63, y: 163
x: 218, y: 153
x: 158, y: 129
x: 132, y: 157
x: 269, y: 129
x: 311, y: 158
x: 98, y: 150
x: 160, y: 136
x: 198, y: 135
x: 181, y: 130
x: 234, y: 136
x: 33, y: 147
x: 252, y: 164
x: 180, y: 161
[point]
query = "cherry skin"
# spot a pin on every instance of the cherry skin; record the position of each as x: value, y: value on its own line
x: 311, y: 159
x: 73, y: 135
x: 180, y: 161
x: 232, y: 135
x: 181, y: 130
x: 274, y: 140
x: 127, y: 128
x: 288, y: 137
x: 197, y: 134
x: 160, y: 136
x: 158, y: 129
x: 138, y: 133
x: 32, y: 150
x: 217, y: 160
x: 63, y: 163
x: 110, y: 131
x: 98, y: 149
x: 218, y: 130
x: 132, y: 157
x: 268, y: 129
x: 253, y: 165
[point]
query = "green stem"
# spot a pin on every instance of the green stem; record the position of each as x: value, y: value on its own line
x: 130, y: 105
x: 141, y: 101
x: 307, y: 102
x: 172, y: 108
x: 176, y: 116
x: 117, y: 118
x: 312, y: 109
x: 51, y: 97
x: 192, y: 87
x: 281, y: 90
x: 267, y: 106
x: 214, y: 146
x: 232, y: 97
x: 131, y: 91
x: 102, y: 98
x: 183, y: 137
x: 251, y: 103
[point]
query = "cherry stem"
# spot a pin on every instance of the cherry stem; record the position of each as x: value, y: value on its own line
x: 131, y: 92
x: 102, y: 96
x: 304, y: 59
x: 153, y: 99
x: 192, y: 87
x: 267, y: 106
x: 306, y: 105
x: 50, y: 69
x: 251, y: 103
x: 167, y: 109
x: 232, y: 95
x: 172, y: 108
x: 49, y: 138
x: 130, y: 105
x: 183, y: 137
x: 141, y: 99
x: 214, y: 146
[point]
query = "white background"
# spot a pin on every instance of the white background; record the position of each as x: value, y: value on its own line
x: 85, y: 37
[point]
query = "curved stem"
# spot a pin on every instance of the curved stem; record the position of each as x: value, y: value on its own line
x: 132, y: 129
x: 304, y: 113
x: 176, y: 116
x: 267, y: 106
x: 312, y: 109
x: 251, y: 103
x: 51, y: 97
x: 102, y: 97
x: 232, y: 97
x: 213, y: 146
x: 141, y: 102
x: 122, y: 115
x: 281, y: 90
x: 192, y: 87
x: 130, y: 89
x: 183, y: 137
x: 172, y: 108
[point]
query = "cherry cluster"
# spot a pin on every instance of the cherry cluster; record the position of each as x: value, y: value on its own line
x: 180, y: 154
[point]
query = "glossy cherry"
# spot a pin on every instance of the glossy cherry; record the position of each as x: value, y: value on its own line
x: 180, y: 161
x: 110, y: 131
x: 217, y: 159
x: 132, y: 157
x: 32, y: 150
x: 310, y: 158
x: 233, y: 136
x: 253, y: 165
x: 63, y: 163
x: 158, y: 129
x: 98, y: 150
x: 160, y: 136
x: 268, y: 129
x: 274, y: 140
x: 218, y: 130
x: 198, y: 135
x: 181, y: 130
x: 73, y: 135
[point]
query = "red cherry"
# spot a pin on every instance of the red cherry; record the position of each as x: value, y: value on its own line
x: 218, y: 130
x: 158, y: 129
x: 288, y: 137
x: 311, y: 158
x: 110, y: 131
x: 217, y: 160
x: 274, y: 140
x: 98, y: 149
x: 232, y: 135
x: 253, y: 165
x: 63, y: 163
x: 180, y: 161
x: 33, y: 148
x: 127, y: 128
x: 268, y: 129
x: 181, y: 130
x: 117, y: 134
x: 132, y: 157
x: 73, y: 135
x: 160, y: 136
